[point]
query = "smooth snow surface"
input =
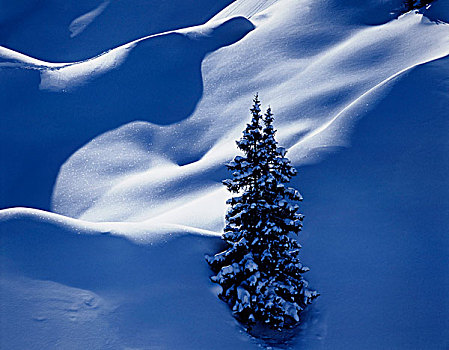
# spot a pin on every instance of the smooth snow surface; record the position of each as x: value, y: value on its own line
x: 118, y: 116
x: 79, y: 24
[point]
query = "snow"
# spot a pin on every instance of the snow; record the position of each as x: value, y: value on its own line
x: 64, y: 77
x: 120, y: 124
x: 327, y: 122
x: 68, y: 292
x: 79, y: 24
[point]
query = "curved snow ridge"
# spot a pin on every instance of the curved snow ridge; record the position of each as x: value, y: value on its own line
x: 334, y: 130
x: 316, y: 88
x: 70, y: 75
x: 11, y: 58
x: 304, y: 144
x: 73, y: 75
x: 136, y: 164
x: 41, y: 216
x: 148, y: 232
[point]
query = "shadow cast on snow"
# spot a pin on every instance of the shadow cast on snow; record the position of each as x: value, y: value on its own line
x: 146, y: 294
x: 375, y: 234
x: 160, y: 82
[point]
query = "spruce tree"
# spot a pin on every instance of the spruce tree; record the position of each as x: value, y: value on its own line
x: 260, y: 272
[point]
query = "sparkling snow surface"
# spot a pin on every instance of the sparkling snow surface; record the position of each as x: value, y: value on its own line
x: 116, y: 119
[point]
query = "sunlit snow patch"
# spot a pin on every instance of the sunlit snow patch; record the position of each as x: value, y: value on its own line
x: 317, y: 90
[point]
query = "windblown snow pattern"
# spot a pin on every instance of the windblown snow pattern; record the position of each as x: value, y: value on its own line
x: 116, y: 119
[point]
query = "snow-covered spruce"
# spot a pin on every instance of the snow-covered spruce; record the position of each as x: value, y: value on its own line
x: 260, y: 272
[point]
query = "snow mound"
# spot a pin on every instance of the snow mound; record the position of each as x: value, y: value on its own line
x: 65, y: 76
x: 77, y: 30
x: 136, y: 138
x: 70, y: 104
x: 62, y: 278
x: 318, y: 88
x: 71, y: 76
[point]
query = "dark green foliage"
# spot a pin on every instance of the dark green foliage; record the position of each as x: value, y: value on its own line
x: 260, y: 272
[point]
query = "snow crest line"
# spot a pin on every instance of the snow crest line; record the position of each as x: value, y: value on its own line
x: 146, y: 232
x: 329, y: 123
x: 66, y: 75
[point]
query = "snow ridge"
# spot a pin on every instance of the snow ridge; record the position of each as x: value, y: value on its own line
x: 130, y: 144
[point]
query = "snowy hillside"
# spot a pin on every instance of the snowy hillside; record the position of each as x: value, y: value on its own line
x: 116, y: 119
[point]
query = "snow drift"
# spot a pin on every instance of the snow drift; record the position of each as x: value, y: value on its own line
x: 128, y: 147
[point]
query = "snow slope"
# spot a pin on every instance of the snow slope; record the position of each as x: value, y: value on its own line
x: 141, y: 132
x: 80, y: 285
x: 64, y: 109
x: 316, y: 94
x: 76, y: 30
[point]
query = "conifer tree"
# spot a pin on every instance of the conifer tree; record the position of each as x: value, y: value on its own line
x: 260, y: 272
